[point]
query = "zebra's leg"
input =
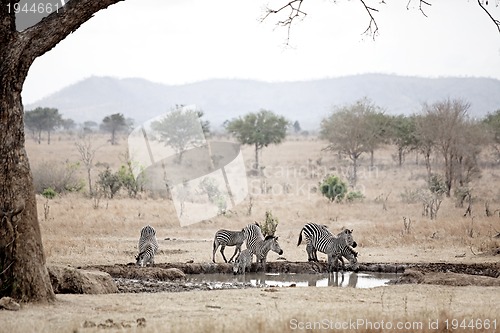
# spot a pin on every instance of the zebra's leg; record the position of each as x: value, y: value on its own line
x: 310, y: 254
x: 216, y: 246
x: 237, y: 250
x: 222, y: 247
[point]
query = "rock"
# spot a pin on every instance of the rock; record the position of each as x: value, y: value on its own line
x: 8, y: 303
x: 69, y: 280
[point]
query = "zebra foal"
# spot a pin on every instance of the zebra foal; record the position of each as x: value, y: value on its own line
x: 242, y: 262
x: 225, y: 238
x: 147, y: 247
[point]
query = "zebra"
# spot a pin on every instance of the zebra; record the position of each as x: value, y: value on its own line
x: 254, y: 234
x: 147, y: 247
x: 348, y: 253
x: 319, y: 231
x: 262, y: 248
x: 320, y: 239
x: 242, y: 262
x: 225, y: 238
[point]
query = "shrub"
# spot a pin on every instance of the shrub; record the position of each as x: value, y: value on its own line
x: 333, y: 188
x: 109, y: 182
x: 270, y: 224
x: 354, y: 195
x: 60, y: 177
x: 49, y: 193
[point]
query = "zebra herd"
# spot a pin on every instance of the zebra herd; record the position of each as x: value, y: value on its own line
x: 317, y: 237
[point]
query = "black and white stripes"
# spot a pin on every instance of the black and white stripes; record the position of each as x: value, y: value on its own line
x: 319, y: 238
x: 147, y: 247
x: 225, y: 238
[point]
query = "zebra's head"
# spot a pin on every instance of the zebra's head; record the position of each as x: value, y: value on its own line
x: 275, y: 246
x: 346, y: 235
x: 143, y: 258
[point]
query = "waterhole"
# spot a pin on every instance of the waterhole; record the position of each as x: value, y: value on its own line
x: 347, y: 279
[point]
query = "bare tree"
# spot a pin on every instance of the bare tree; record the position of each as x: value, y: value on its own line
x: 87, y: 153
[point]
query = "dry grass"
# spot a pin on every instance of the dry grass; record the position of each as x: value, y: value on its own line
x: 75, y: 233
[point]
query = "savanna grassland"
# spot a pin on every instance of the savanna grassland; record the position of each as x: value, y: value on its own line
x: 80, y: 231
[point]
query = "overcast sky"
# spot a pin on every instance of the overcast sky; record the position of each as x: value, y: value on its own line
x: 182, y: 41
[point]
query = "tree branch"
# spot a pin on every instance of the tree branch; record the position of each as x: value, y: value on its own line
x: 419, y: 6
x: 294, y: 13
x: 495, y: 21
x: 42, y: 37
x: 372, y: 25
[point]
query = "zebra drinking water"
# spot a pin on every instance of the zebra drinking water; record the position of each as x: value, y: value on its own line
x: 320, y: 239
x: 225, y: 238
x: 242, y: 262
x: 147, y: 247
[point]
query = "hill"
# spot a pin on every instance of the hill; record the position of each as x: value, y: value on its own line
x: 306, y: 101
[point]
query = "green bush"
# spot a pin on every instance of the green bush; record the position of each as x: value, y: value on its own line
x: 354, y: 196
x: 49, y: 193
x: 270, y: 224
x: 109, y: 182
x: 333, y: 188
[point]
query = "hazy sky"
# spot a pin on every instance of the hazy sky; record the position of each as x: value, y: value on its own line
x: 181, y: 41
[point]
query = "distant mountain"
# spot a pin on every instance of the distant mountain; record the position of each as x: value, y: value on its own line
x: 305, y: 101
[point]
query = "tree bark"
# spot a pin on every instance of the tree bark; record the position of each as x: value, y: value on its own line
x: 23, y: 274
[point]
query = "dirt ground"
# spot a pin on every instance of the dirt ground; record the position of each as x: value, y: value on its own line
x: 442, y: 293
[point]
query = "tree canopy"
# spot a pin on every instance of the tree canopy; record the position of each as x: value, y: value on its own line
x: 180, y: 129
x: 259, y: 129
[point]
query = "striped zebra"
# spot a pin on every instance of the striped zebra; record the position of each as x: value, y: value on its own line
x: 320, y: 231
x: 147, y: 247
x: 260, y: 246
x: 242, y: 262
x: 225, y: 238
x: 320, y: 239
x: 348, y: 253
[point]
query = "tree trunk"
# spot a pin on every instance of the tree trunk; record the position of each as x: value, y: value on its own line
x: 23, y: 274
x: 256, y: 165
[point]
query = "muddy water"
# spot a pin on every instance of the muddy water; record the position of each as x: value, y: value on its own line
x: 347, y: 279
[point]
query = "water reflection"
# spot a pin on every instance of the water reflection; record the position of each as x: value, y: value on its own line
x: 346, y: 279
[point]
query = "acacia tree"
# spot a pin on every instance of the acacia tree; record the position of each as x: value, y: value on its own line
x: 259, y: 129
x: 180, y: 129
x: 352, y: 130
x: 112, y: 124
x: 445, y: 124
x: 43, y: 119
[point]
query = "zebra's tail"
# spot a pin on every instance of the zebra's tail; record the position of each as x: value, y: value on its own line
x: 300, y: 237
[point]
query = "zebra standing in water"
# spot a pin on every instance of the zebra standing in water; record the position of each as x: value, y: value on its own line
x: 225, y: 238
x: 320, y: 239
x: 260, y: 246
x: 147, y: 247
